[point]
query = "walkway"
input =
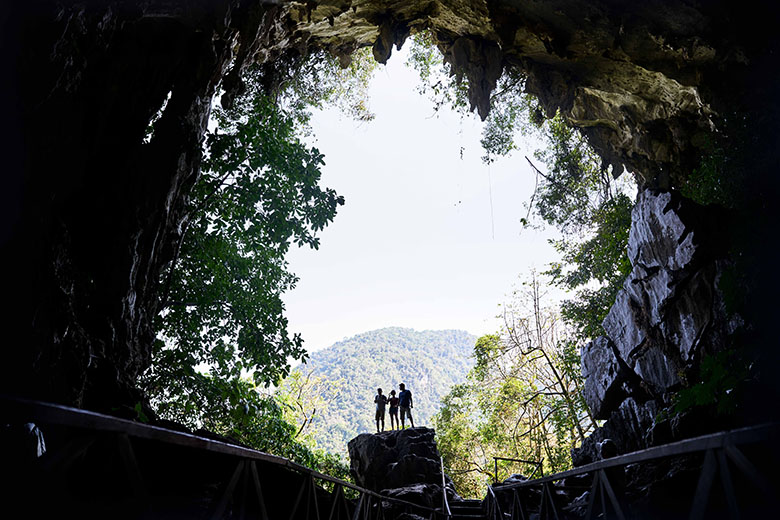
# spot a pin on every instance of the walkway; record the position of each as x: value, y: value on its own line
x: 66, y: 462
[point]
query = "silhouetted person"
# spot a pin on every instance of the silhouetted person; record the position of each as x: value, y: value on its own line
x: 380, y: 401
x: 405, y: 404
x: 393, y: 402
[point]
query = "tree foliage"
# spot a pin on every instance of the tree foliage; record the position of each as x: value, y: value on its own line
x: 578, y: 195
x: 258, y: 194
x: 222, y: 333
x: 521, y: 400
x: 575, y: 193
x: 305, y: 397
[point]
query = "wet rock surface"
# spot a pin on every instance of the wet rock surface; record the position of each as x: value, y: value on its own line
x: 605, y: 377
x: 668, y: 315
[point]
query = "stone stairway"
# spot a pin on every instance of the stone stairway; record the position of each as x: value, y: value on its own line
x: 467, y: 510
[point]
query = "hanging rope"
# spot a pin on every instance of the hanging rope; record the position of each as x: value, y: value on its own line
x: 490, y: 194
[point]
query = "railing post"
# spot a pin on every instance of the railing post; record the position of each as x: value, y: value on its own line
x: 222, y: 504
x: 258, y: 491
x: 495, y: 471
x: 445, y: 506
x: 702, y: 495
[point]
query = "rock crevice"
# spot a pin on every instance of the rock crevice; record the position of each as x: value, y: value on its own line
x: 669, y: 314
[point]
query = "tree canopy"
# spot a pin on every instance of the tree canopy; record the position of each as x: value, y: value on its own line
x: 222, y: 331
x: 521, y: 400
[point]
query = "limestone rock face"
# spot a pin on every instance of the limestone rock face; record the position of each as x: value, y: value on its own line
x: 92, y: 214
x: 604, y: 377
x: 100, y: 211
x: 632, y: 75
x: 400, y: 463
x: 670, y: 299
x: 667, y: 316
x: 627, y: 427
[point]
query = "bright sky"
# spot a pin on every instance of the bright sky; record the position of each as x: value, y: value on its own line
x: 414, y: 245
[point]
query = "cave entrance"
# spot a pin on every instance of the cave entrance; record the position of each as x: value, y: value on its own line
x: 658, y: 92
x: 682, y: 94
x: 431, y: 236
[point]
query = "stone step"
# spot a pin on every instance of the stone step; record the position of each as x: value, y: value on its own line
x: 467, y: 510
x: 471, y: 504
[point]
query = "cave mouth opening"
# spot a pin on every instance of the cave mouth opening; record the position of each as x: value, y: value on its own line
x: 432, y: 234
x: 85, y: 258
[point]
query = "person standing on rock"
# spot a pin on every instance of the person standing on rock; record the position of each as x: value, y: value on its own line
x: 380, y: 401
x: 393, y: 401
x: 406, y: 405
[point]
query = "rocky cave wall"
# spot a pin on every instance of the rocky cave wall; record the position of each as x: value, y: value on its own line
x: 93, y: 213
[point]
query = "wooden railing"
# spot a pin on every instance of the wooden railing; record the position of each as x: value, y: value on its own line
x: 98, y: 466
x: 102, y: 466
x: 504, y: 502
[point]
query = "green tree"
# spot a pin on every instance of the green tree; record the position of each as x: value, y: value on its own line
x: 305, y: 397
x: 258, y: 194
x: 521, y: 400
x: 577, y: 193
x: 222, y: 332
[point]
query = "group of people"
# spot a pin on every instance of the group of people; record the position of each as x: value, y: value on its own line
x: 403, y: 403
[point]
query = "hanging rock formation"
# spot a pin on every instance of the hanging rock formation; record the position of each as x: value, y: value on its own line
x: 93, y: 207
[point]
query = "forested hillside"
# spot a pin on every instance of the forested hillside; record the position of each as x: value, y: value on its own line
x: 428, y: 362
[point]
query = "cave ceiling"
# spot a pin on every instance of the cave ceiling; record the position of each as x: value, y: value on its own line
x: 645, y: 81
x: 92, y: 214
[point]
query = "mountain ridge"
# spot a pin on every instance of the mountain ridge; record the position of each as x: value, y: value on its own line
x: 429, y: 362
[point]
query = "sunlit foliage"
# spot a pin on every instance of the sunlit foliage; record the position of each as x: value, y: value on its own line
x: 222, y: 332
x: 521, y: 400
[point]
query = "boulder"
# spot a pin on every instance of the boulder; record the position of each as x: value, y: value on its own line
x: 605, y: 377
x: 428, y: 495
x: 403, y: 464
x: 395, y: 458
x: 669, y: 311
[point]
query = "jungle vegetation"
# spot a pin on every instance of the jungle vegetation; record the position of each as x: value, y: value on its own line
x: 342, y: 379
x: 223, y: 338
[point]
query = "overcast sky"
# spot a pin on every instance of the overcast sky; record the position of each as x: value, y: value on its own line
x: 415, y: 244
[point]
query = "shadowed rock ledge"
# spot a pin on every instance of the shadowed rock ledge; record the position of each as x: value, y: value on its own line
x: 403, y: 464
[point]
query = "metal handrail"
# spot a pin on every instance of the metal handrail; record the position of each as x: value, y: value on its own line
x: 538, y: 465
x: 445, y: 505
x: 27, y: 410
x: 717, y: 447
x: 696, y: 444
x: 493, y: 506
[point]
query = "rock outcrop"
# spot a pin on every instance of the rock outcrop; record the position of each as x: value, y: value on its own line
x: 403, y: 464
x: 93, y: 212
x: 669, y: 313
